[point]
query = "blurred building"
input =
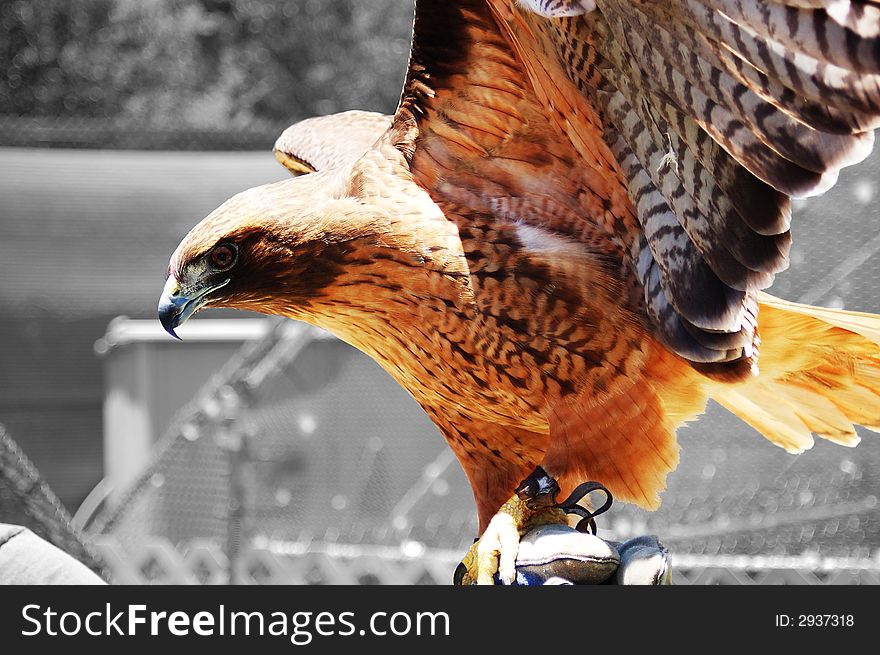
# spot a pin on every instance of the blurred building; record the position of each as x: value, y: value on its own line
x: 85, y: 236
x: 309, y: 440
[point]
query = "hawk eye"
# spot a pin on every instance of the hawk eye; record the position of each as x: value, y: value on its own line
x: 223, y: 256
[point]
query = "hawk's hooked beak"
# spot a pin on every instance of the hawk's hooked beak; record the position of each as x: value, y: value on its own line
x: 177, y: 304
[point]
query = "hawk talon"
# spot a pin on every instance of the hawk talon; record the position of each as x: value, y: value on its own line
x: 492, y: 558
x: 538, y: 490
x: 496, y: 550
x: 458, y: 577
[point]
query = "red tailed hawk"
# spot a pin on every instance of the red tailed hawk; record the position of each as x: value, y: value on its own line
x: 558, y: 243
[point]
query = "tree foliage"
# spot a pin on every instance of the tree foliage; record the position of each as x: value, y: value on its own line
x: 201, y: 63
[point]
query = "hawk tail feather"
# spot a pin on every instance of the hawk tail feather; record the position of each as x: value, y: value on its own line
x: 819, y: 375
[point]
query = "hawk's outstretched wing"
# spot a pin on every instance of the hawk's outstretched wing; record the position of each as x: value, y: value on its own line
x: 706, y: 115
x: 326, y: 142
x: 717, y: 111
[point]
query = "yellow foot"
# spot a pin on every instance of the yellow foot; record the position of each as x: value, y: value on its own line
x: 532, y: 505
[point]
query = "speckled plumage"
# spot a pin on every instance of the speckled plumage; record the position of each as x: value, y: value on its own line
x: 553, y: 257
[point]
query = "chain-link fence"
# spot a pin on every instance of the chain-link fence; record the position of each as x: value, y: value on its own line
x: 299, y: 438
x: 125, y: 134
x: 26, y: 499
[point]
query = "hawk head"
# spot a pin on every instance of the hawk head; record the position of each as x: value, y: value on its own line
x: 275, y: 248
x: 272, y: 249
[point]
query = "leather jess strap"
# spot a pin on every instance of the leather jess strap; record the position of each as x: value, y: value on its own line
x: 588, y: 518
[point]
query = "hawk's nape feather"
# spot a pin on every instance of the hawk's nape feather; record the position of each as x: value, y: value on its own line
x: 718, y: 111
